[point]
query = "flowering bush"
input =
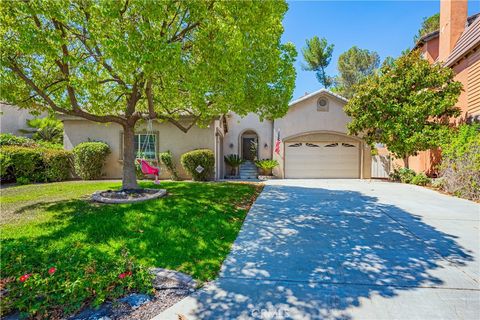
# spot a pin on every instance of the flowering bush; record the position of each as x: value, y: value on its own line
x: 60, y: 284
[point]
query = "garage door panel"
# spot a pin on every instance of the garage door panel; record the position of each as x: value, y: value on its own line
x: 322, y: 160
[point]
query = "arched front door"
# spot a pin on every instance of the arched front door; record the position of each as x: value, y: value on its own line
x: 249, y: 145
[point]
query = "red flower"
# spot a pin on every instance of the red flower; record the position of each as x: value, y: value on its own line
x: 52, y: 270
x: 125, y: 274
x: 25, y: 277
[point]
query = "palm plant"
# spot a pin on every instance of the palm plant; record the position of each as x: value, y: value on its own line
x: 234, y: 161
x: 45, y: 129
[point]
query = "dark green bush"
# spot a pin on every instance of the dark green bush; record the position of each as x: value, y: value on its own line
x: 25, y: 163
x: 460, y: 167
x: 421, y: 179
x: 58, y: 164
x: 41, y: 285
x: 167, y: 159
x: 201, y: 157
x: 8, y: 139
x: 89, y: 158
x: 404, y: 175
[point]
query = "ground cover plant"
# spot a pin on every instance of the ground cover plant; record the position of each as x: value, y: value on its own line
x: 61, y: 252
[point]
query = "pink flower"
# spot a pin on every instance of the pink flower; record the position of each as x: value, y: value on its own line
x: 128, y: 273
x: 122, y: 275
x: 125, y: 274
x: 52, y: 270
x: 25, y: 277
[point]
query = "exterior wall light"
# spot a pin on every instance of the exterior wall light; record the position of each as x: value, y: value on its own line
x: 231, y: 145
x: 265, y: 145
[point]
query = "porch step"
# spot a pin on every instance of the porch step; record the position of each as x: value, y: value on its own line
x: 248, y: 170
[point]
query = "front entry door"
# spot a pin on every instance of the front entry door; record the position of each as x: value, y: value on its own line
x: 246, y: 148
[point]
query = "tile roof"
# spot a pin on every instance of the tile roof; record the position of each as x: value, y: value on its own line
x: 470, y: 39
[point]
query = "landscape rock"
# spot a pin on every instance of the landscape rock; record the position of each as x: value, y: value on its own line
x: 136, y: 300
x: 170, y: 279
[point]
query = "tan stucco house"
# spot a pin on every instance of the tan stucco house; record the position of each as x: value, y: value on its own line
x: 313, y: 140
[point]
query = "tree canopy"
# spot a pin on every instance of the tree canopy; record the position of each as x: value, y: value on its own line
x: 429, y: 24
x: 317, y: 54
x: 121, y: 61
x: 407, y: 105
x: 353, y: 66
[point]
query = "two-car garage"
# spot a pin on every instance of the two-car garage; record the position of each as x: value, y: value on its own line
x: 322, y: 159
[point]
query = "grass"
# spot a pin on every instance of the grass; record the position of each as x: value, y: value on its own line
x: 190, y: 230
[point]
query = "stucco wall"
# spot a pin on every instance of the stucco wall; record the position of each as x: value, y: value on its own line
x: 303, y: 118
x: 237, y: 125
x: 13, y: 119
x: 169, y: 138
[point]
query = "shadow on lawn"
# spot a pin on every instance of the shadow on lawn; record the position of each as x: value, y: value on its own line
x: 299, y: 245
x: 190, y: 230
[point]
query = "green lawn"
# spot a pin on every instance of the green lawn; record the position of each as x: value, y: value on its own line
x: 190, y: 230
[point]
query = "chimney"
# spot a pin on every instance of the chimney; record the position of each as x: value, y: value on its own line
x: 453, y: 17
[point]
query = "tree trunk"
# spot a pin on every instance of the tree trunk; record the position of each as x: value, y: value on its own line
x: 129, y: 180
x: 405, y: 162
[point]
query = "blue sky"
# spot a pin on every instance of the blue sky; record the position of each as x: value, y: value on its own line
x: 387, y: 27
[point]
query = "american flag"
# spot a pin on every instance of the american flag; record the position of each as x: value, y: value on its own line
x: 277, y: 143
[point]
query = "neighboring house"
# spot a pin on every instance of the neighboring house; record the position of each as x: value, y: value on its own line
x: 455, y: 45
x: 313, y: 140
x: 13, y: 119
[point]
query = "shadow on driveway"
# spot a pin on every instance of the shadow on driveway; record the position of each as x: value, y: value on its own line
x: 313, y: 253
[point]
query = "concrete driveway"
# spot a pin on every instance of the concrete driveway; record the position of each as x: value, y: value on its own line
x: 347, y: 249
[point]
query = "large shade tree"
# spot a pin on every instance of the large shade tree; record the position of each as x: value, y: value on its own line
x: 407, y: 105
x: 317, y: 54
x: 123, y: 61
x: 354, y: 65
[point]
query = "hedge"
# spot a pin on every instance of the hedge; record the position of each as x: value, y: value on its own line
x: 89, y: 159
x: 34, y: 164
x: 201, y: 157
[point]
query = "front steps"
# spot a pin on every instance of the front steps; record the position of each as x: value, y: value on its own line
x: 248, y: 170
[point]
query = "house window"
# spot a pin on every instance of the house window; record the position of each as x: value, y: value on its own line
x: 146, y: 145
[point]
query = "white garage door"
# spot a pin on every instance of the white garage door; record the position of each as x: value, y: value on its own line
x: 322, y: 160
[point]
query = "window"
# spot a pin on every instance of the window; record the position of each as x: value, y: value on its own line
x: 146, y: 145
x: 311, y: 145
x: 295, y: 145
x: 332, y: 145
x: 348, y: 145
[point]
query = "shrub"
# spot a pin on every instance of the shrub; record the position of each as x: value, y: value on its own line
x: 45, y: 129
x: 404, y: 175
x: 89, y: 158
x: 58, y: 164
x: 167, y: 159
x: 34, y: 164
x: 234, y: 161
x: 25, y: 162
x: 266, y: 165
x: 460, y: 168
x: 438, y: 183
x: 41, y: 286
x: 5, y: 165
x: 201, y: 157
x: 8, y: 139
x: 421, y: 179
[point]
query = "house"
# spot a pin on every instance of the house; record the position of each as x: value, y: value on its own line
x: 455, y: 45
x: 313, y: 140
x: 14, y: 120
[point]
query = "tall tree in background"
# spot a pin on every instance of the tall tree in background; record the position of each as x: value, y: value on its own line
x: 353, y: 66
x: 406, y: 105
x: 429, y: 24
x: 184, y: 62
x: 317, y: 55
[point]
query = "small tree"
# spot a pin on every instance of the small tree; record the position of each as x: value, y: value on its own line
x: 354, y: 65
x: 406, y: 105
x: 317, y: 54
x: 184, y: 62
x: 429, y: 24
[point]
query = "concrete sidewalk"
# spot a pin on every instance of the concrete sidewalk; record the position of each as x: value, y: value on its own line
x: 347, y: 249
